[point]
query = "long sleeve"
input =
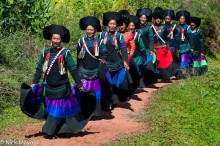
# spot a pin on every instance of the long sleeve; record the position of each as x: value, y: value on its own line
x: 142, y: 47
x: 123, y: 49
x: 38, y: 71
x: 151, y: 39
x: 201, y: 42
x: 72, y: 68
x: 165, y: 34
x: 102, y: 51
x: 176, y: 38
x: 78, y: 49
x: 132, y: 43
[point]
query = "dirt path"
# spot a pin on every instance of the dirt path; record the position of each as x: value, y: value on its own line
x: 121, y: 121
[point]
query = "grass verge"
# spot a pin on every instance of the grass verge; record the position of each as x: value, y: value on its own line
x: 183, y: 113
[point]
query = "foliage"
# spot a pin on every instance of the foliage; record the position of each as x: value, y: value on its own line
x: 20, y: 50
x: 31, y: 15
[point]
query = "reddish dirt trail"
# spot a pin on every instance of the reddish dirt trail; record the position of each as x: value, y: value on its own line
x: 122, y: 120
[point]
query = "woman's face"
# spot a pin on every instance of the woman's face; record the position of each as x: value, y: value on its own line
x: 112, y: 25
x: 158, y: 21
x: 182, y: 20
x: 90, y: 31
x: 193, y: 25
x: 131, y: 27
x: 143, y: 20
x: 123, y: 28
x: 56, y: 40
x: 167, y: 19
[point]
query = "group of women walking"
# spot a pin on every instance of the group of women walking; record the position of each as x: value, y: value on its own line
x: 133, y: 52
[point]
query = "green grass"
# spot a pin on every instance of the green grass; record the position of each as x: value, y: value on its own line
x: 10, y: 113
x: 13, y: 117
x: 183, y: 113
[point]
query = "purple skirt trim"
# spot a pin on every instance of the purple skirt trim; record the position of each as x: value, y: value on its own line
x: 91, y: 85
x: 64, y: 102
x: 185, y: 58
x: 199, y: 59
x: 60, y: 107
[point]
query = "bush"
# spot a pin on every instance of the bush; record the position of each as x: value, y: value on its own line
x: 31, y: 15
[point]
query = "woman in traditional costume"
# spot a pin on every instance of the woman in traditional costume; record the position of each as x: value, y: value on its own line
x: 172, y: 32
x: 163, y: 51
x: 184, y: 40
x: 197, y: 47
x: 54, y: 101
x: 116, y: 84
x: 130, y: 45
x: 147, y: 35
x: 139, y: 58
x: 90, y: 52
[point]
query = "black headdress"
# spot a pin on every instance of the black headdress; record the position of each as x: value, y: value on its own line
x: 158, y: 13
x: 90, y: 20
x: 170, y: 13
x: 195, y: 20
x: 183, y: 13
x: 56, y: 29
x: 135, y: 20
x: 146, y: 12
x: 112, y: 16
x: 125, y: 16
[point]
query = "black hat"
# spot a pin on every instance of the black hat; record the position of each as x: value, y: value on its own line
x: 183, y: 13
x: 158, y: 15
x: 195, y: 20
x: 170, y: 13
x: 146, y: 12
x: 125, y: 13
x: 56, y: 29
x: 90, y: 20
x: 135, y: 20
x: 158, y: 9
x: 125, y: 16
x: 112, y: 16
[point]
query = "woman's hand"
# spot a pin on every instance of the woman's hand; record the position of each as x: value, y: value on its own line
x: 81, y: 88
x: 103, y: 61
x: 32, y: 86
x: 126, y: 66
x: 80, y: 56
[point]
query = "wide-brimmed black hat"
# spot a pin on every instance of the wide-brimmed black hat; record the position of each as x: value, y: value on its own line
x: 90, y: 20
x: 158, y: 15
x: 170, y: 13
x: 125, y: 16
x: 195, y: 20
x: 107, y: 16
x: 135, y: 20
x: 158, y: 9
x: 145, y: 11
x: 56, y: 29
x: 183, y: 13
x: 125, y: 13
